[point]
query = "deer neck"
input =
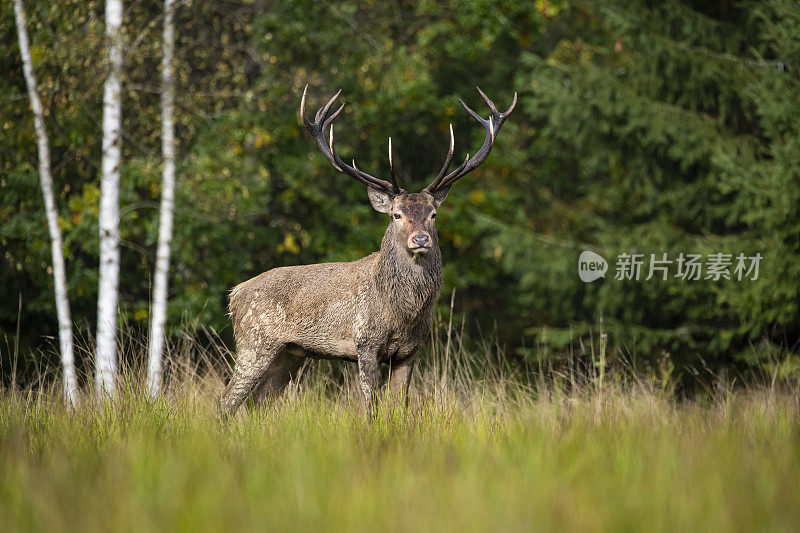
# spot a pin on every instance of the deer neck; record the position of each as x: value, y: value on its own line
x: 410, y: 282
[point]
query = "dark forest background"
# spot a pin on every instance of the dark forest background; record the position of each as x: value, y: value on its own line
x: 642, y: 127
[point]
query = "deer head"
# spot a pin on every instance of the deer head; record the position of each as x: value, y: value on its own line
x: 412, y: 214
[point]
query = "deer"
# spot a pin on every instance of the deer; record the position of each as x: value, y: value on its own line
x: 374, y: 311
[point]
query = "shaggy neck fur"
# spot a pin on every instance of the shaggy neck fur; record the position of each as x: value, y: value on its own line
x: 412, y: 282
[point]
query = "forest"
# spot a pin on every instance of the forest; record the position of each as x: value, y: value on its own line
x: 650, y: 128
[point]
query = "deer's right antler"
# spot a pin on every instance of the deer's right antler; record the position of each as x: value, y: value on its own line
x: 491, y: 125
x: 317, y: 129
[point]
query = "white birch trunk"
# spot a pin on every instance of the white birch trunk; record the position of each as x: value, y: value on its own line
x: 107, y: 297
x: 158, y: 317
x: 56, y: 243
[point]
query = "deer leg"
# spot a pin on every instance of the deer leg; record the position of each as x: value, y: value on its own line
x: 368, y: 376
x: 400, y: 377
x: 251, y: 365
x: 282, y: 370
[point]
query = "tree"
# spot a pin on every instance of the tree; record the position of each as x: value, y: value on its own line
x: 670, y: 129
x: 159, y: 314
x: 108, y: 287
x: 46, y: 180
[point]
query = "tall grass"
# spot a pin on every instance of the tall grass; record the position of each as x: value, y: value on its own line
x: 481, y: 445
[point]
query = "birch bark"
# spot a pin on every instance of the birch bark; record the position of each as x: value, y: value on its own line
x: 108, y: 288
x: 56, y: 241
x: 159, y: 314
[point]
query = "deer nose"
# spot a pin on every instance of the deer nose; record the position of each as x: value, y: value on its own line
x: 420, y: 240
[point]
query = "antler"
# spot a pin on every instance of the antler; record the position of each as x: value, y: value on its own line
x: 492, y: 126
x: 317, y: 129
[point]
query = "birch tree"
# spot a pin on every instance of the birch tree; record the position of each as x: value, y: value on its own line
x: 108, y: 290
x: 159, y: 313
x: 46, y: 181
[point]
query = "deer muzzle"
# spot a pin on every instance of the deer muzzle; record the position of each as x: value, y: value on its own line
x: 419, y: 242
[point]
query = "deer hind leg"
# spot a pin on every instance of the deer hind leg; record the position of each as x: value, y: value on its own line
x: 400, y: 377
x: 249, y: 370
x: 282, y: 370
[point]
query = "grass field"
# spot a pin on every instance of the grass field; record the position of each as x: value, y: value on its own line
x: 475, y: 450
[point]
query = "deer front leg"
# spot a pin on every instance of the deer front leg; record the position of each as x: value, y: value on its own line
x: 368, y: 376
x: 400, y: 377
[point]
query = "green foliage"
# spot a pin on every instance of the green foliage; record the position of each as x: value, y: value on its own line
x: 675, y: 130
x: 641, y: 127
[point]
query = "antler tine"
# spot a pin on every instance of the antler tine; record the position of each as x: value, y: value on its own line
x: 391, y: 167
x: 306, y: 122
x: 435, y: 183
x: 444, y: 183
x: 324, y: 111
x: 353, y: 171
x: 330, y: 145
x: 471, y: 112
x: 486, y: 99
x: 492, y: 106
x: 329, y: 120
x: 492, y: 126
x: 512, y: 106
x: 371, y: 180
x: 317, y: 129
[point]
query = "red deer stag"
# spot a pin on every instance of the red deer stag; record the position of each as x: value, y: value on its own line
x: 375, y: 310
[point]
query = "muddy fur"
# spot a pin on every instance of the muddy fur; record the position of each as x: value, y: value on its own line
x: 375, y: 310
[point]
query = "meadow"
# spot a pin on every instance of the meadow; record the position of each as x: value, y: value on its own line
x: 480, y: 446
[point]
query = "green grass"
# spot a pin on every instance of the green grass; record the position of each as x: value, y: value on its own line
x: 475, y: 450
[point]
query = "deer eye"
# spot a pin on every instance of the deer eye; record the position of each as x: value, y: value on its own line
x: 397, y: 216
x: 433, y: 215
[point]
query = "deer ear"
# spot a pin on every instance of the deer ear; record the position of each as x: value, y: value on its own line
x: 380, y: 200
x: 439, y: 195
